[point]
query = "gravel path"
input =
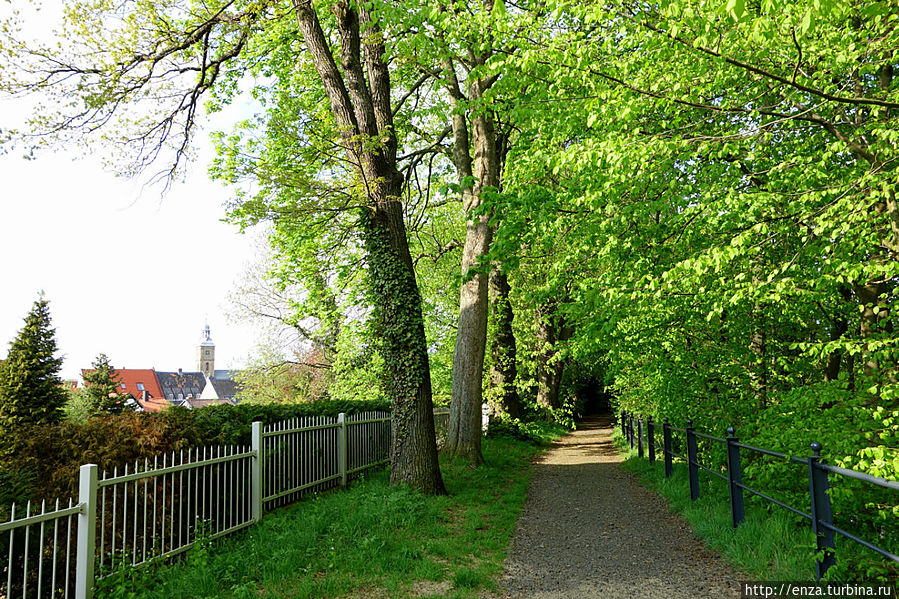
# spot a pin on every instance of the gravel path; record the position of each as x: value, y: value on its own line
x: 589, y: 529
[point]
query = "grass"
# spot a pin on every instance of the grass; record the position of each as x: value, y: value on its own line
x: 370, y: 540
x: 769, y: 545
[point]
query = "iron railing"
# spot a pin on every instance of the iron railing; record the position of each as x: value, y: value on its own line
x: 162, y: 506
x: 40, y: 553
x: 635, y: 430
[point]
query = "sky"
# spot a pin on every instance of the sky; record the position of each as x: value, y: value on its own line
x: 128, y: 272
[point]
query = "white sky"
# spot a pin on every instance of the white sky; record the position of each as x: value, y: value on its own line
x: 127, y: 272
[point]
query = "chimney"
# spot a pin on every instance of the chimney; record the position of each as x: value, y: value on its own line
x: 143, y: 395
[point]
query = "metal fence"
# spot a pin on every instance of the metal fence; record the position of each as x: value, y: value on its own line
x: 637, y: 430
x: 158, y: 508
x: 40, y: 551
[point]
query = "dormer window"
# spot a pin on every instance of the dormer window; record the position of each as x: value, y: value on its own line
x: 140, y: 387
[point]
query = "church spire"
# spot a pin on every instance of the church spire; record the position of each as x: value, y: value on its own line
x: 206, y: 353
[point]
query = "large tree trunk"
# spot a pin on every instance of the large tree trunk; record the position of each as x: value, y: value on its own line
x: 401, y: 327
x: 360, y: 102
x: 503, y: 368
x: 464, y: 430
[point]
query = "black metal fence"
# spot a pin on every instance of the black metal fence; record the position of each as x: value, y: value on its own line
x: 641, y: 433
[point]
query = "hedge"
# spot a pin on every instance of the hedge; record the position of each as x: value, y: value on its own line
x: 45, y: 460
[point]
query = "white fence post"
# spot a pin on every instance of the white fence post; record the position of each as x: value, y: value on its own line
x: 341, y: 448
x: 87, y: 532
x: 256, y: 486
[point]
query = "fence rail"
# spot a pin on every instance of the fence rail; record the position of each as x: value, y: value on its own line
x: 40, y: 551
x: 820, y: 517
x: 158, y: 508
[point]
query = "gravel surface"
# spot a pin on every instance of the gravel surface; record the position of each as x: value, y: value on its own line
x: 590, y: 529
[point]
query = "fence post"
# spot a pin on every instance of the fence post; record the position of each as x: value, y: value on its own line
x: 821, y: 513
x: 631, y: 429
x: 639, y: 436
x: 650, y: 439
x: 666, y: 442
x: 627, y: 427
x: 734, y: 478
x: 256, y: 483
x: 341, y: 448
x: 692, y: 461
x: 85, y: 553
x: 623, y: 424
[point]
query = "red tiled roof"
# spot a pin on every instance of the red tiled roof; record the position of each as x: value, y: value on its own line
x: 131, y: 377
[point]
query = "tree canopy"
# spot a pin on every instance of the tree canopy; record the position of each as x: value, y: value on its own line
x: 690, y: 206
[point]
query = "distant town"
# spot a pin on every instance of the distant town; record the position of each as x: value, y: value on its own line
x: 151, y: 390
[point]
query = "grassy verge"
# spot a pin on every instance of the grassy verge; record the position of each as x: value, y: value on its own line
x: 371, y: 540
x: 769, y: 545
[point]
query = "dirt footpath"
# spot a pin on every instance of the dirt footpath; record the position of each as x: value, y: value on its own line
x: 589, y: 529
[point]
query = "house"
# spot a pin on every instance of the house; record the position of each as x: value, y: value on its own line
x: 142, y: 385
x: 155, y: 390
x: 179, y: 386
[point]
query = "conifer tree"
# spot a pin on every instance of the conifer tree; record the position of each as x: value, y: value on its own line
x: 103, y: 387
x: 31, y: 390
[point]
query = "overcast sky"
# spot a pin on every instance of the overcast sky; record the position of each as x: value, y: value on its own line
x: 127, y: 272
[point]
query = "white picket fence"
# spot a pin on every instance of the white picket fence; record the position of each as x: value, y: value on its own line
x: 158, y: 508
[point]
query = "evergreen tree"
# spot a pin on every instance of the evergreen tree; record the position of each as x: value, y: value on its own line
x: 30, y: 388
x: 103, y: 387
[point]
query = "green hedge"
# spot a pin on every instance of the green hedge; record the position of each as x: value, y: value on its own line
x: 46, y: 458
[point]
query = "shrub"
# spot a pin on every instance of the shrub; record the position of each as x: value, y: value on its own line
x: 48, y: 456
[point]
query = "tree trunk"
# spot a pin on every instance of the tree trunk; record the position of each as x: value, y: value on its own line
x: 549, y: 380
x: 550, y: 365
x: 840, y: 326
x: 758, y: 346
x: 503, y: 395
x: 875, y: 311
x: 360, y: 103
x: 401, y: 328
x: 464, y: 430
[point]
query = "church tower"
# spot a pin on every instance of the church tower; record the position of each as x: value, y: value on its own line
x: 206, y: 354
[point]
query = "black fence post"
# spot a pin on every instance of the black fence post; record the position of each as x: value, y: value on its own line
x: 651, y: 439
x: 692, y: 461
x: 630, y: 429
x: 623, y: 425
x: 821, y: 513
x: 734, y: 478
x: 666, y: 450
x: 639, y: 436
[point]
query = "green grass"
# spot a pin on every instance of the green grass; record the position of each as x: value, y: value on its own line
x: 370, y: 540
x: 769, y: 545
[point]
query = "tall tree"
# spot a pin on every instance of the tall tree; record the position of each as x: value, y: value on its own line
x: 469, y: 36
x: 173, y: 57
x: 502, y: 392
x: 31, y: 390
x: 104, y: 387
